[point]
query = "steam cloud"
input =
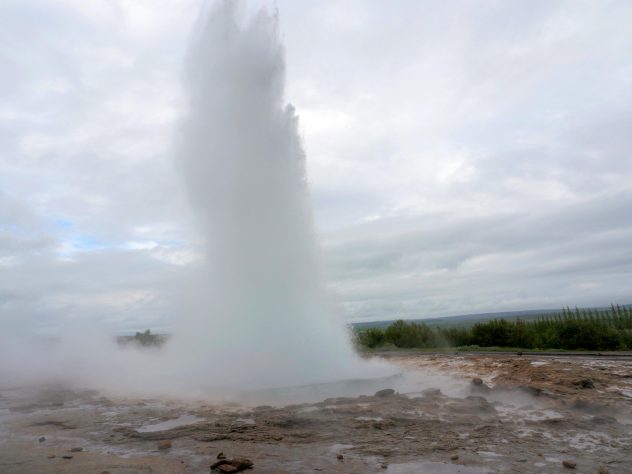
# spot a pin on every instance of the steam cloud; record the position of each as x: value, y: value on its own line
x: 254, y: 315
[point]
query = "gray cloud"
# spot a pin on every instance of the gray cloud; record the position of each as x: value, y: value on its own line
x: 461, y: 157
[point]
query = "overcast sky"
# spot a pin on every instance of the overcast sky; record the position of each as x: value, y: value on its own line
x: 462, y: 156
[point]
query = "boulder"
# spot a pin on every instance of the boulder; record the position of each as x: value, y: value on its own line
x: 387, y: 392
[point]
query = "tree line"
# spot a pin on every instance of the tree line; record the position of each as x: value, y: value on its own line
x: 568, y: 329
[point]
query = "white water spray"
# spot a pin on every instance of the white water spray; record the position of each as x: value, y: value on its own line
x: 260, y: 310
x: 254, y: 316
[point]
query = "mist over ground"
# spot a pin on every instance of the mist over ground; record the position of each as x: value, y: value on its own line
x: 461, y: 159
x: 252, y: 314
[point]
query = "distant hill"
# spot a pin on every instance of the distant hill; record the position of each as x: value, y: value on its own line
x: 470, y: 319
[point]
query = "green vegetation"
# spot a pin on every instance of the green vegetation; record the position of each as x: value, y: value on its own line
x: 144, y: 339
x: 578, y: 329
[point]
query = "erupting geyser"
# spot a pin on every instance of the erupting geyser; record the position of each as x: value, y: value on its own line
x: 259, y: 316
x: 253, y: 315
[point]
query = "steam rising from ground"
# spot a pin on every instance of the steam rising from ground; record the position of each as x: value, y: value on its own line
x: 254, y: 316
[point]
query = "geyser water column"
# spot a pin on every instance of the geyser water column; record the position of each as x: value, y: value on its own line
x: 258, y: 317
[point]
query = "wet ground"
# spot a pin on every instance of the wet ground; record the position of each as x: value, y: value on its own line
x: 452, y: 413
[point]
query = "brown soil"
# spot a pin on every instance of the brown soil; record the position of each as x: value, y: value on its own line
x: 529, y: 415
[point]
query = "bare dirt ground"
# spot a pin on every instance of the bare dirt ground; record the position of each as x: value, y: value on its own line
x: 525, y: 414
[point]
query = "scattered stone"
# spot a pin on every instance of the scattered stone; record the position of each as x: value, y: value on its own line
x: 67, y: 456
x: 105, y: 472
x: 164, y: 444
x: 455, y: 457
x: 477, y: 381
x: 603, y: 470
x: 584, y: 383
x: 51, y: 456
x: 242, y: 463
x: 387, y: 392
x: 221, y: 455
x: 603, y: 420
x: 76, y: 450
x: 339, y: 457
x: 569, y: 464
x: 519, y: 353
x: 384, y: 465
x: 533, y: 391
x: 232, y: 465
x: 226, y: 468
x: 432, y: 392
x: 277, y: 438
x: 42, y: 439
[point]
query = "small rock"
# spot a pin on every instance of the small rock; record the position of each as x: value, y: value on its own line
x: 76, y: 450
x: 603, y: 470
x: 221, y: 455
x: 226, y: 468
x: 455, y: 457
x: 603, y: 420
x: 241, y: 463
x: 42, y: 439
x: 67, y: 456
x: 387, y: 392
x: 569, y: 464
x: 339, y: 457
x: 164, y: 444
x: 477, y: 381
x: 232, y: 465
x: 105, y: 472
x: 519, y: 353
x: 432, y: 392
x: 51, y: 456
x: 384, y: 465
x: 584, y: 383
x: 277, y: 438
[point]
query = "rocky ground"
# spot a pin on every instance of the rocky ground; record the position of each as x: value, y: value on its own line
x: 455, y: 413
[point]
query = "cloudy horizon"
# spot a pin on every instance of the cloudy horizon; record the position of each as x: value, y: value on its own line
x: 461, y: 158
